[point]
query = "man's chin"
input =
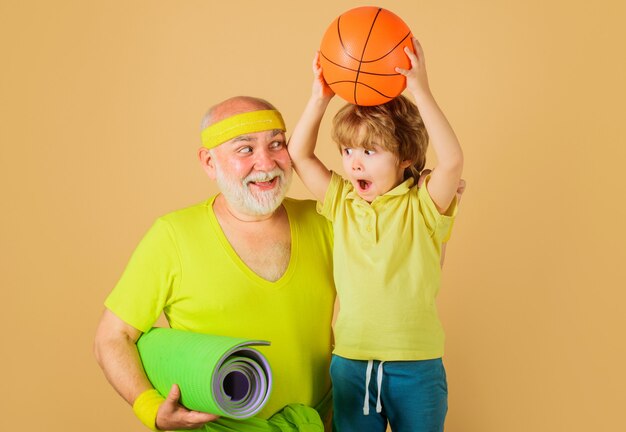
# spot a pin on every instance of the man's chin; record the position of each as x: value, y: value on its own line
x: 254, y: 199
x: 267, y: 203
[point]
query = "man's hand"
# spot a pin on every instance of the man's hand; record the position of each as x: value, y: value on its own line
x: 172, y: 415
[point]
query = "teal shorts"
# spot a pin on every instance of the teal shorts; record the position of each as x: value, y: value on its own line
x: 412, y: 396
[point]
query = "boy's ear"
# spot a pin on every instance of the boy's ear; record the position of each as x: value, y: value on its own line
x: 207, y: 162
x: 406, y: 163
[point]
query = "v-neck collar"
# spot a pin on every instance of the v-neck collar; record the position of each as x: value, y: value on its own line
x: 230, y: 251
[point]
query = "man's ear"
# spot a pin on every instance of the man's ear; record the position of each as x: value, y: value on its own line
x: 207, y: 162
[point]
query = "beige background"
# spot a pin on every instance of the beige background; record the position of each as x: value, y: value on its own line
x: 100, y: 106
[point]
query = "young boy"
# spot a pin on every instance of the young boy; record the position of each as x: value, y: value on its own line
x: 388, y: 242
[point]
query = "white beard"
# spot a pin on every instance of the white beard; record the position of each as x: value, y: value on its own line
x: 239, y: 195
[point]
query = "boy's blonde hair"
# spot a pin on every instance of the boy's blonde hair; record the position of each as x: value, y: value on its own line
x: 395, y: 126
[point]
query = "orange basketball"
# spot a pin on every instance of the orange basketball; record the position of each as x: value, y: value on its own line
x: 360, y: 51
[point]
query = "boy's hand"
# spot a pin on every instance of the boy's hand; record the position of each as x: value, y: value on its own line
x: 416, y: 78
x: 320, y: 88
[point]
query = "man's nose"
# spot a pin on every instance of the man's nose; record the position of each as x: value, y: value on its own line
x: 264, y: 160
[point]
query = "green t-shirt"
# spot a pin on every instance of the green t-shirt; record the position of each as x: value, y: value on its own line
x: 185, y: 267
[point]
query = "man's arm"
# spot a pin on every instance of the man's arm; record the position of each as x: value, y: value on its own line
x: 116, y: 352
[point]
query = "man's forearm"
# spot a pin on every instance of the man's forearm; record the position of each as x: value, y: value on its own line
x: 116, y: 352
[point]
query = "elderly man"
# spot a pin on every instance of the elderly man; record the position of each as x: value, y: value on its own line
x: 246, y: 263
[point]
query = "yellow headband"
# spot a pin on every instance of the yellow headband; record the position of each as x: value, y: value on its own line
x: 240, y: 124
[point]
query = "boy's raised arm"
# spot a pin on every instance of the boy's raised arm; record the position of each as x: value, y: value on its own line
x: 445, y: 177
x: 311, y: 170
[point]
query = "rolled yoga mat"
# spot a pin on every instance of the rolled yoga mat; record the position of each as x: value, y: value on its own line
x: 216, y: 374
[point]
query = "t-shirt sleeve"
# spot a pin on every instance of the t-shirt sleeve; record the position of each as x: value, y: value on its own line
x: 329, y: 207
x: 146, y: 284
x: 439, y: 225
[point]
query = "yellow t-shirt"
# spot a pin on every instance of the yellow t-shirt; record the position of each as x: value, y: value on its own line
x: 186, y: 267
x: 386, y: 260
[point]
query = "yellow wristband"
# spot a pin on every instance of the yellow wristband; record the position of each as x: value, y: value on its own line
x: 146, y: 406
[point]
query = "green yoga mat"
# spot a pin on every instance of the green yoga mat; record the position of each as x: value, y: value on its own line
x: 216, y: 374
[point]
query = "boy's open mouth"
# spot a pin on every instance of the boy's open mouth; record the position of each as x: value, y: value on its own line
x: 364, y: 184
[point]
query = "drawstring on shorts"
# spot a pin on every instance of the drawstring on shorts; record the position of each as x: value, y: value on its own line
x: 379, y: 381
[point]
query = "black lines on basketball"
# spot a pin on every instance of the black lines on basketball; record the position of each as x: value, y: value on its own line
x: 359, y: 53
x: 355, y: 70
x: 356, y: 101
x: 388, y: 52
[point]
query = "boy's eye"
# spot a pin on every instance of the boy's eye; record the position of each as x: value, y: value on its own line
x: 369, y: 152
x: 347, y: 151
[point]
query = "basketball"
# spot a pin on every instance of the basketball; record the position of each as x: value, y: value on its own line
x: 360, y: 51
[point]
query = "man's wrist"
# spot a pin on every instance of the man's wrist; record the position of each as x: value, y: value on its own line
x: 146, y: 407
